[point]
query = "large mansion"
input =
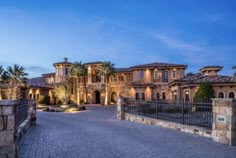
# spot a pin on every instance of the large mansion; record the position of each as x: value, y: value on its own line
x: 154, y: 81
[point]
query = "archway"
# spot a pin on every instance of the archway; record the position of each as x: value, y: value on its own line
x: 96, y: 97
x: 114, y: 97
x: 163, y: 96
x: 231, y: 95
x: 220, y: 95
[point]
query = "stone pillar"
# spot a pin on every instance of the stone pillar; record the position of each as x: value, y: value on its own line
x: 8, y: 139
x: 224, y: 121
x: 120, y: 113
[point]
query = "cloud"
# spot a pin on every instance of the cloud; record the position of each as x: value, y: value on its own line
x: 36, y: 71
x: 198, y: 54
x: 176, y: 43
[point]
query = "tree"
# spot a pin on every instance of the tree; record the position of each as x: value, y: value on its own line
x: 106, y: 70
x: 189, y: 74
x: 2, y: 72
x: 79, y: 70
x: 234, y: 67
x: 63, y: 91
x: 15, y: 77
x: 205, y: 92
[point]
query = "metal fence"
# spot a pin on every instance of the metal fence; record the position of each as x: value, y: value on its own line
x: 22, y: 112
x: 187, y: 113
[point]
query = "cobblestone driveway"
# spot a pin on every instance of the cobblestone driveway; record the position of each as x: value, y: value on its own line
x: 95, y: 133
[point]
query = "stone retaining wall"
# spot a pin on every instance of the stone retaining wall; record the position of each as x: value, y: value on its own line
x: 10, y: 132
x: 184, y: 128
x: 223, y: 127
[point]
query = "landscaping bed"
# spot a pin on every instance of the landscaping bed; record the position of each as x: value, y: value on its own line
x: 60, y: 108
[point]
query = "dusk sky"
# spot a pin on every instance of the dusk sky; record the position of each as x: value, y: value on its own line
x: 37, y: 33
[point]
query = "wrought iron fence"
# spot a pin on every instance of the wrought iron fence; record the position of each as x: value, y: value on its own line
x: 21, y: 112
x: 184, y: 112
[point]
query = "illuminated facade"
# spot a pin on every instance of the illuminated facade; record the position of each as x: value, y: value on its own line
x: 154, y: 81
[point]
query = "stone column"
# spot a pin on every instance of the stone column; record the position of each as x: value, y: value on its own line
x: 120, y: 113
x: 224, y: 121
x: 8, y: 139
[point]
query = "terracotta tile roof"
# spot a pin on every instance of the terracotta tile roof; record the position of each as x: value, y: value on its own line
x: 64, y: 63
x: 49, y: 74
x: 212, y: 66
x: 198, y: 78
x: 141, y: 83
x: 38, y: 82
x: 93, y: 63
x: 123, y: 70
x: 157, y: 65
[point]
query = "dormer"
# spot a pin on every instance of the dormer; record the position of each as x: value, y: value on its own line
x: 210, y: 70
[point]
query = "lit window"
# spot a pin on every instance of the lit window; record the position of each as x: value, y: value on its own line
x: 155, y: 74
x: 174, y: 74
x: 141, y: 75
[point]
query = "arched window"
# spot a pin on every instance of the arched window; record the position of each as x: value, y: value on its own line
x: 157, y: 96
x: 220, y: 95
x: 30, y: 96
x: 66, y: 71
x: 231, y: 95
x: 143, y: 96
x: 136, y: 96
x: 164, y: 96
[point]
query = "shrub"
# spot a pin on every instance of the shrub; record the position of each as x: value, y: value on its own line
x: 205, y: 92
x: 81, y: 108
x: 59, y: 102
x: 45, y: 100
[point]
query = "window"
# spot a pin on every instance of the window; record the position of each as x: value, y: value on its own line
x: 155, y: 74
x: 113, y: 79
x: 157, y: 96
x: 136, y: 96
x: 174, y: 74
x: 37, y: 97
x: 98, y: 78
x: 186, y: 95
x: 164, y: 96
x: 220, y: 95
x: 141, y: 75
x: 165, y: 76
x: 175, y: 95
x: 143, y: 96
x: 121, y: 78
x: 60, y: 71
x: 66, y: 71
x: 231, y: 95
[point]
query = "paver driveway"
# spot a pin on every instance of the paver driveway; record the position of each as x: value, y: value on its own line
x: 95, y: 133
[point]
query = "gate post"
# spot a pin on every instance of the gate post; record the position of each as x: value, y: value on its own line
x: 224, y: 121
x: 8, y: 129
x: 120, y: 109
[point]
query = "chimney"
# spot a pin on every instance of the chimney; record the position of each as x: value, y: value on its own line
x: 66, y: 60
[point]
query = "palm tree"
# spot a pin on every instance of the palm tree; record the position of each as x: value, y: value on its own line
x: 234, y: 67
x: 106, y: 70
x: 15, y: 77
x: 80, y: 70
x: 2, y: 72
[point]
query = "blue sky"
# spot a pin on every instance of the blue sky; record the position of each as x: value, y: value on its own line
x: 37, y: 33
